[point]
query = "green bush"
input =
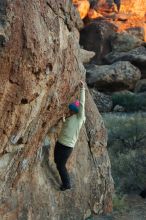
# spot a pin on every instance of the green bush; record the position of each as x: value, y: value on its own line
x: 128, y: 171
x: 130, y: 101
x: 127, y: 150
x: 125, y: 131
x: 119, y: 202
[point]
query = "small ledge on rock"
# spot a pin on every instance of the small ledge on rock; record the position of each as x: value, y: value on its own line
x: 49, y: 68
x: 24, y: 101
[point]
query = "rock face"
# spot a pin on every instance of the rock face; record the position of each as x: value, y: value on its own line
x: 120, y: 75
x: 40, y: 71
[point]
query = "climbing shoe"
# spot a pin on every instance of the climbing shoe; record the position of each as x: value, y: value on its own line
x: 63, y: 188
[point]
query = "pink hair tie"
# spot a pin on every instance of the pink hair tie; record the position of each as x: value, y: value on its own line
x: 77, y: 103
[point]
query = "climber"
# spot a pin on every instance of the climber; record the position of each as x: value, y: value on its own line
x: 68, y: 137
x: 118, y: 4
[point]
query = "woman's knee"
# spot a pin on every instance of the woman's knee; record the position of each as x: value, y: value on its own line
x: 61, y: 167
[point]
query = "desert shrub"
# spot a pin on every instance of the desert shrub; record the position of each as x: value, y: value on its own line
x: 130, y: 101
x: 127, y: 150
x: 128, y: 170
x: 119, y: 202
x: 125, y: 131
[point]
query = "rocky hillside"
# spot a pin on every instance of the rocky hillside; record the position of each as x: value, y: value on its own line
x: 116, y: 77
x: 41, y: 65
x: 118, y: 67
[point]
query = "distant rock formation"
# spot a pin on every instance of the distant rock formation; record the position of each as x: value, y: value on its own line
x: 118, y: 76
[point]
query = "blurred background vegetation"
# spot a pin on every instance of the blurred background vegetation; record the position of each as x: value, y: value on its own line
x: 127, y: 150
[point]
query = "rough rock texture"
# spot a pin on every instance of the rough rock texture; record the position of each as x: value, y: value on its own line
x: 103, y: 102
x: 120, y: 75
x: 86, y: 56
x: 137, y: 32
x: 136, y: 56
x: 96, y: 37
x: 40, y: 71
x: 122, y: 42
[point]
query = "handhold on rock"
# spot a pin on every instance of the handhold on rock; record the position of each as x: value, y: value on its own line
x: 46, y: 142
x: 2, y: 40
x: 14, y: 139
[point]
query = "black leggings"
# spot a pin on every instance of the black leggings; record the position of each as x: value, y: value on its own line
x: 61, y: 155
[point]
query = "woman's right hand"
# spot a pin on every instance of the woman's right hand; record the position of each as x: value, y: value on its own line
x: 81, y: 84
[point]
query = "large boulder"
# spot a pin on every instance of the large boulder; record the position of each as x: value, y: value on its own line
x: 138, y: 32
x: 120, y: 75
x: 103, y: 101
x: 96, y: 37
x: 40, y: 70
x: 136, y: 56
x: 122, y: 42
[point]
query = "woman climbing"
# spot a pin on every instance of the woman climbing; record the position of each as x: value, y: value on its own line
x: 68, y: 137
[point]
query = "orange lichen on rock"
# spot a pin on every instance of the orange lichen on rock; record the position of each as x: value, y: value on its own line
x: 94, y: 14
x: 132, y: 13
x: 136, y: 15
